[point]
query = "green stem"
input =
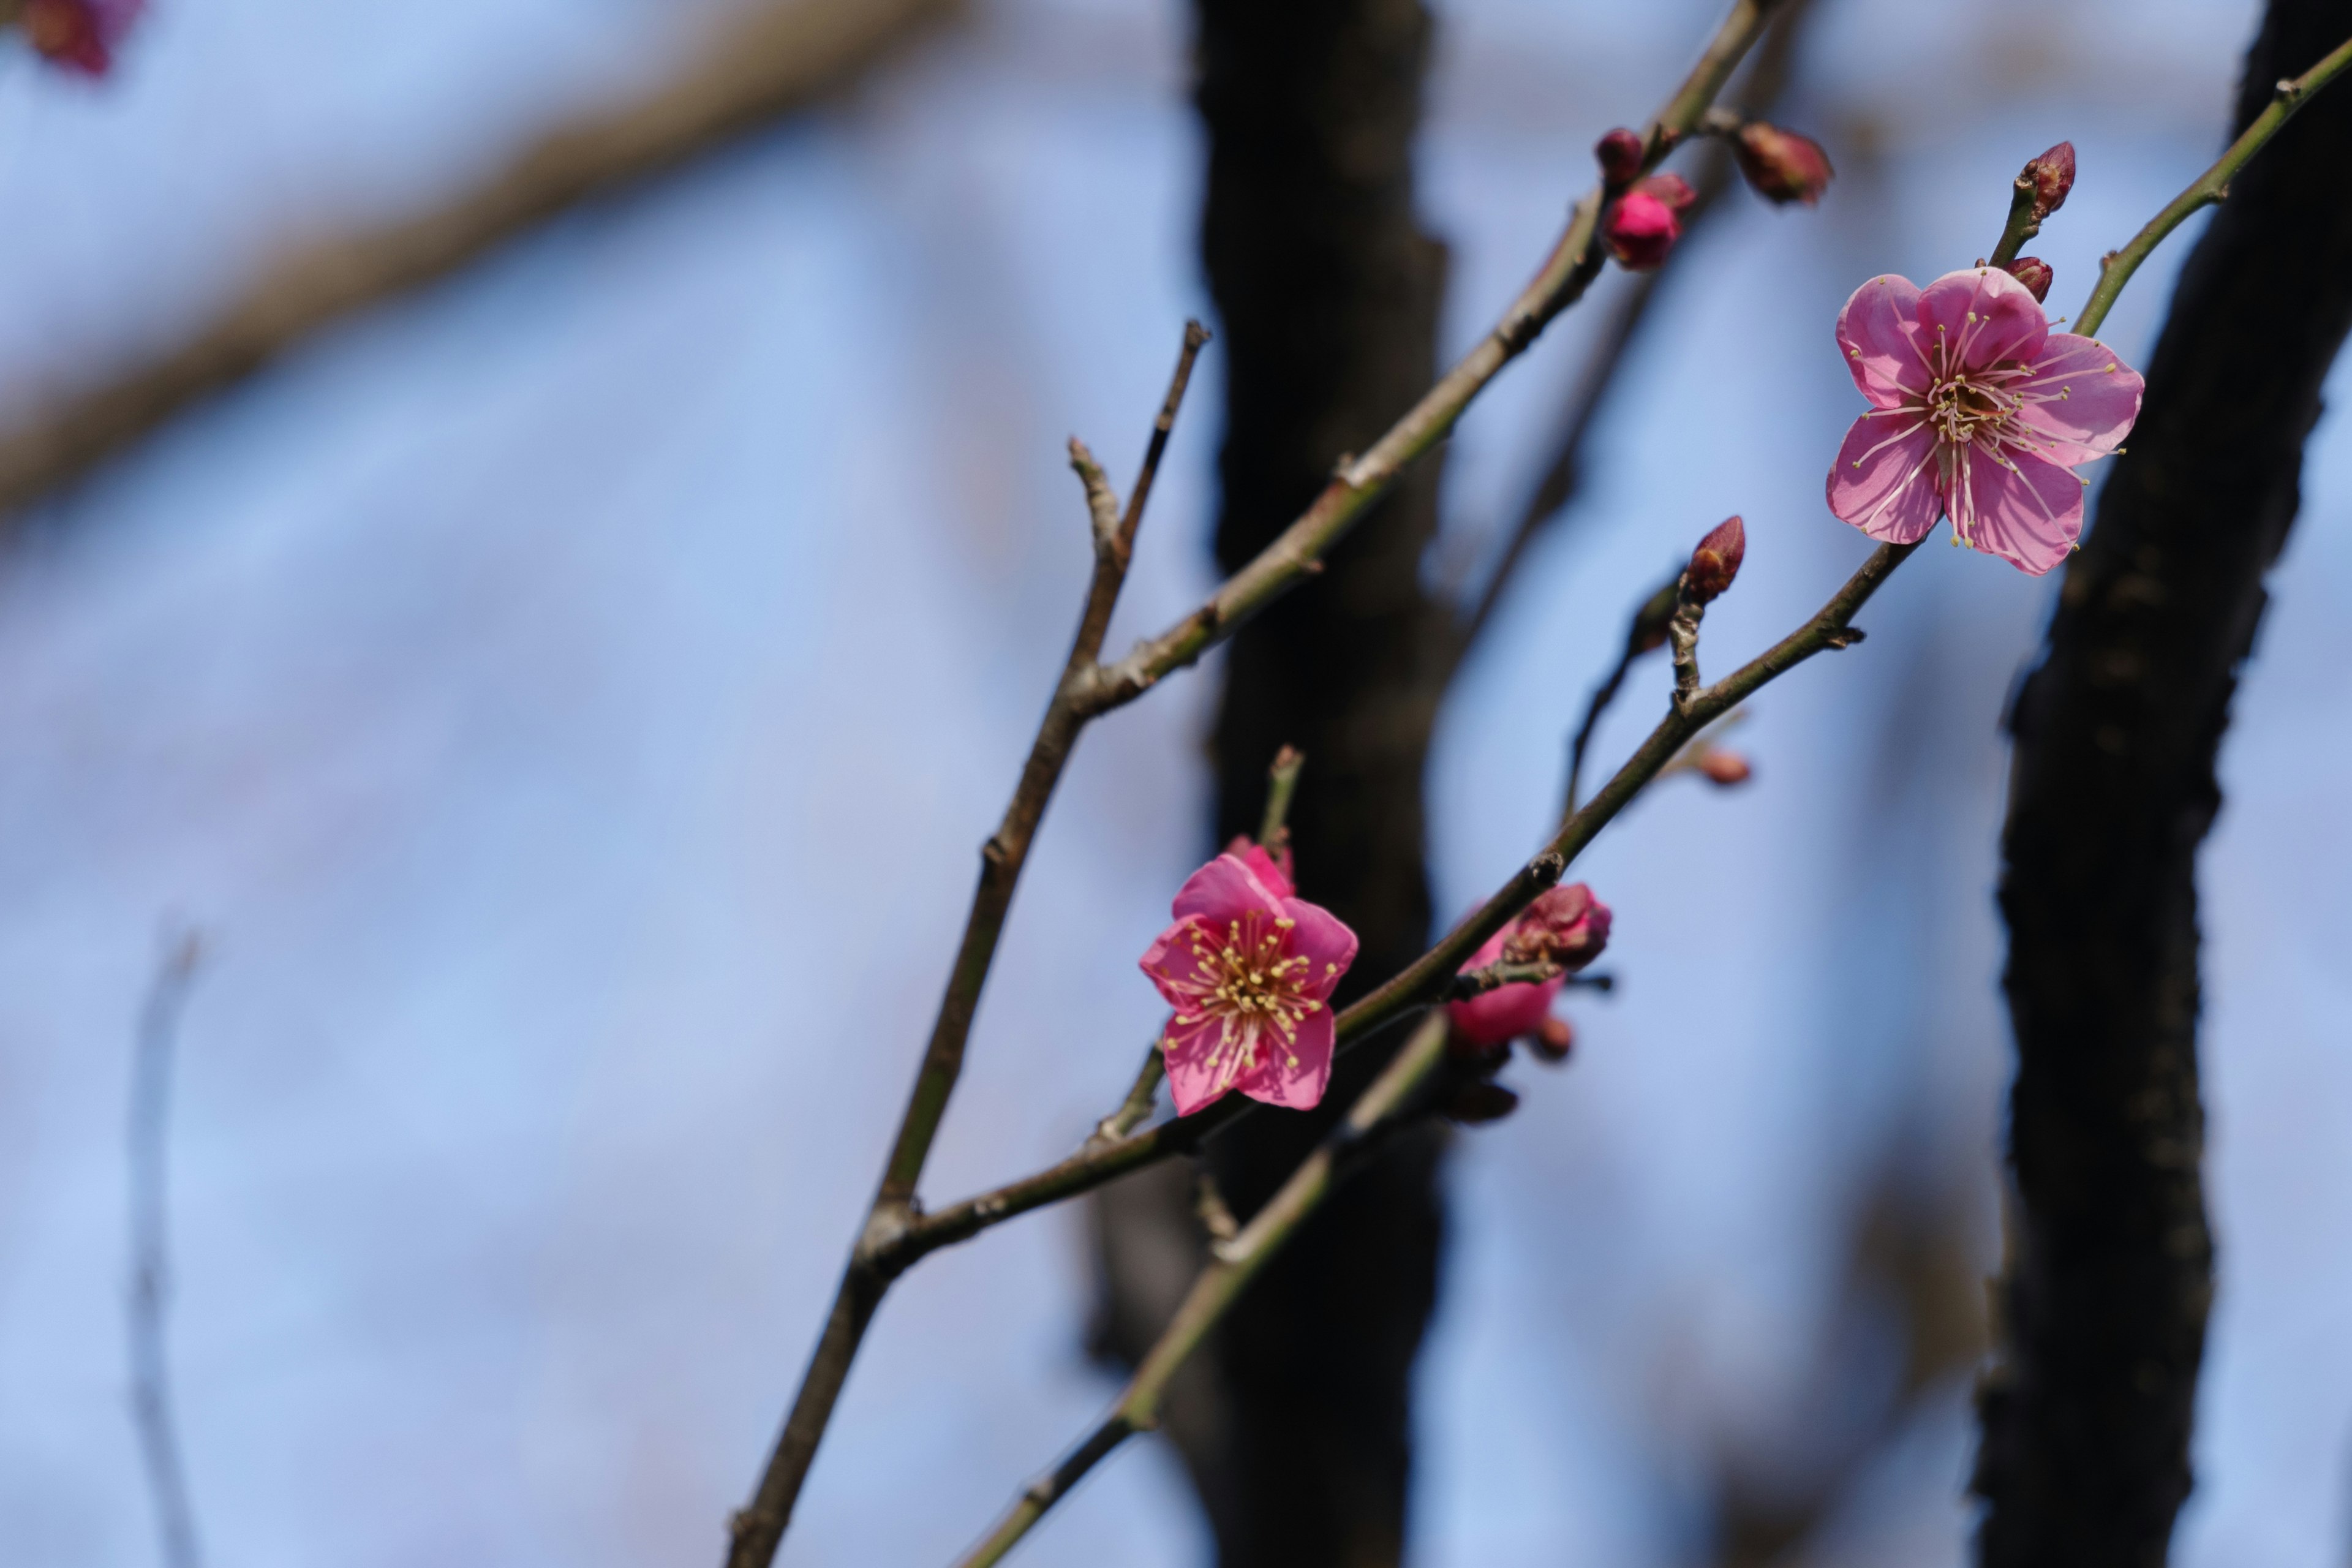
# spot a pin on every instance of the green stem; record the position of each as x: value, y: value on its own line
x: 2208, y: 189
x: 1281, y: 784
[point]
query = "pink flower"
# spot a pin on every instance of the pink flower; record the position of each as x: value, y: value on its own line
x: 1982, y: 413
x: 1642, y: 225
x: 1249, y: 969
x: 1276, y: 871
x: 1567, y: 926
x: 79, y: 34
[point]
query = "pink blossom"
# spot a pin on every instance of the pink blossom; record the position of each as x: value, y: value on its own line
x: 1250, y: 971
x: 1567, y: 926
x: 1642, y: 225
x: 79, y: 34
x: 1981, y: 414
x: 1275, y: 871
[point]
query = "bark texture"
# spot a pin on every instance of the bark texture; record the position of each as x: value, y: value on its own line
x: 1294, y: 1425
x: 2086, y: 1421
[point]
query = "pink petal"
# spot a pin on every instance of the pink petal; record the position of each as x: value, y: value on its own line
x: 1223, y: 891
x: 1985, y: 317
x: 1884, y: 479
x: 1324, y: 941
x: 1263, y: 866
x: 2081, y: 400
x: 1295, y: 1073
x: 1173, y: 964
x: 1505, y: 1012
x: 2029, y: 515
x: 1191, y: 1078
x: 1879, y: 333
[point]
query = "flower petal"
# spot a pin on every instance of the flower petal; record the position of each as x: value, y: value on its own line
x: 1322, y: 939
x: 1173, y: 964
x: 1193, y: 1070
x: 2025, y: 510
x: 1296, y: 1072
x: 1879, y: 333
x: 1982, y: 318
x: 1505, y: 1012
x: 1222, y: 891
x: 1263, y: 866
x: 1884, y: 479
x: 2080, y: 399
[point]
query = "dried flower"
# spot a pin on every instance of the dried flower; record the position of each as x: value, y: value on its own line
x: 79, y: 34
x: 1716, y: 559
x: 1618, y: 154
x: 1725, y: 769
x: 1250, y: 972
x: 1567, y: 926
x: 2035, y: 273
x: 1643, y: 224
x: 1982, y: 413
x: 1782, y: 165
x: 2052, y: 175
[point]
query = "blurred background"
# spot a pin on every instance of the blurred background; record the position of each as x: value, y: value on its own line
x: 568, y: 697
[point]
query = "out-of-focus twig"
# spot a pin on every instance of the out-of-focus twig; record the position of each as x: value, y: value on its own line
x: 779, y: 56
x: 151, y: 1279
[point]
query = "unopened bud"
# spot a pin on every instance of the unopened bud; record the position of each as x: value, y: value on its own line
x: 1725, y: 768
x: 1567, y: 926
x: 2035, y: 273
x: 2052, y: 175
x: 1619, y: 153
x: 1716, y: 561
x: 1554, y: 1040
x: 1782, y: 165
x: 1481, y: 1101
x: 1644, y: 224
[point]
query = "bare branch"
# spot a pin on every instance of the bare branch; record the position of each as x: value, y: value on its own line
x: 150, y: 1252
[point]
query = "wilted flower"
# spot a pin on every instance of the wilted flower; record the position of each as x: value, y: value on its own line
x: 1782, y: 165
x: 1642, y: 225
x: 1983, y: 413
x: 79, y: 34
x: 1567, y: 926
x: 1249, y: 969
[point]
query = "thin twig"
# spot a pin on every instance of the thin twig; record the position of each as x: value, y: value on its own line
x: 1644, y: 633
x: 151, y: 1252
x: 1281, y: 785
x: 1237, y: 1261
x: 779, y: 58
x: 756, y: 1530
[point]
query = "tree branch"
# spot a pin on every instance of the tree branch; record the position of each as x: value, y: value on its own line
x: 779, y: 58
x: 151, y: 1251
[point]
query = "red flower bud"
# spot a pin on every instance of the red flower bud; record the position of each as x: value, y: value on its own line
x: 1716, y: 561
x: 1618, y: 154
x: 1481, y: 1101
x: 1782, y: 165
x: 1567, y: 926
x: 2035, y: 273
x: 79, y: 35
x: 1643, y: 224
x: 2051, y: 176
x: 1554, y: 1040
x: 1725, y: 769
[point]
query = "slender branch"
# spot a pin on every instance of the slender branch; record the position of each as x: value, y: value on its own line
x: 781, y: 56
x: 1682, y: 635
x: 1281, y: 785
x: 1220, y: 1284
x: 1575, y: 260
x: 150, y: 1258
x: 755, y: 1531
x: 1473, y: 983
x: 2211, y: 187
x: 1136, y: 1109
x: 1644, y: 633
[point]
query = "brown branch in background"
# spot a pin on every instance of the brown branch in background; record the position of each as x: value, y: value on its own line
x: 756, y: 1530
x: 2084, y: 1459
x: 1765, y: 83
x: 151, y: 1276
x: 779, y: 56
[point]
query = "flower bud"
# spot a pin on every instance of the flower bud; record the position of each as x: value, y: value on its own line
x: 1643, y: 224
x: 1725, y: 769
x: 2035, y: 273
x: 1554, y: 1040
x: 1782, y: 165
x: 1481, y: 1101
x: 2052, y: 175
x: 1716, y: 561
x: 1618, y: 154
x: 79, y: 34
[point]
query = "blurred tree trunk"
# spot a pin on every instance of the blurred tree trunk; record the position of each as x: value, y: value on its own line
x: 2086, y: 1421
x: 1296, y: 1425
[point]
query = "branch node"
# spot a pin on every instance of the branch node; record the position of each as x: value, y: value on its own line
x: 1845, y: 638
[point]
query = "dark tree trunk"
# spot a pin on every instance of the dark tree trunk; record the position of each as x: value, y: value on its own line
x: 1295, y: 1425
x: 2086, y: 1422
